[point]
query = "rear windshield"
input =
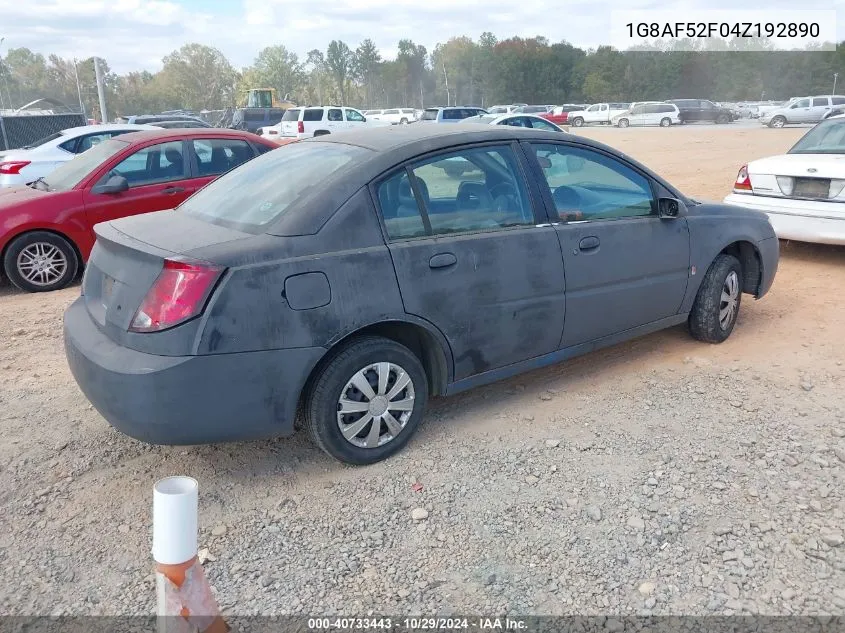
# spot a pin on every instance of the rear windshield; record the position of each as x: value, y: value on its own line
x: 290, y: 115
x: 256, y: 194
x: 429, y: 115
x: 44, y: 140
x: 71, y: 173
x: 828, y: 137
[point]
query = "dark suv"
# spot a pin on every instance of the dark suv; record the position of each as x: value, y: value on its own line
x: 692, y: 110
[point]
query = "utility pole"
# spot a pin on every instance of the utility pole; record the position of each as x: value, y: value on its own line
x: 835, y: 75
x: 446, y: 78
x: 100, y: 91
x: 79, y: 91
x: 3, y: 39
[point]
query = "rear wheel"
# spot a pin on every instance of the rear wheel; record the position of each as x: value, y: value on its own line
x: 778, y: 121
x: 722, y: 119
x: 321, y: 132
x: 716, y: 305
x: 403, y: 122
x: 367, y: 401
x: 40, y: 262
x: 578, y: 122
x: 665, y: 122
x: 623, y: 123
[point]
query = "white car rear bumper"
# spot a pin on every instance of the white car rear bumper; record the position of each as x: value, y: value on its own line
x: 801, y: 220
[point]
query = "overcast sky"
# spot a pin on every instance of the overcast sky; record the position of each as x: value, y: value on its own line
x: 136, y: 34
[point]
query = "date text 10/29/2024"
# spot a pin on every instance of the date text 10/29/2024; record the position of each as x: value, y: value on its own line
x: 417, y: 624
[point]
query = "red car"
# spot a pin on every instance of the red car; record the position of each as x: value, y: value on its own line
x: 46, y: 227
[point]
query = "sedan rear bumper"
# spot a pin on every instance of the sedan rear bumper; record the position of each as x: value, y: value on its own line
x: 804, y: 221
x: 186, y: 399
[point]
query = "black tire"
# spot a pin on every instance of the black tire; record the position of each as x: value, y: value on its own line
x: 321, y: 132
x: 778, y: 122
x: 323, y: 399
x: 31, y: 240
x: 403, y: 122
x: 722, y: 119
x: 622, y: 123
x: 704, y: 319
x: 665, y: 122
x: 578, y: 122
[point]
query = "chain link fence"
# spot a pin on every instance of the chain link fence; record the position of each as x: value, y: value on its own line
x: 19, y: 131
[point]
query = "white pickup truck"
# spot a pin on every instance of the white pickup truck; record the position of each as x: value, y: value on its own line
x: 598, y: 113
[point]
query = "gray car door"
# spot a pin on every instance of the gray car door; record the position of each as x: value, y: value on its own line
x: 624, y: 266
x: 471, y: 258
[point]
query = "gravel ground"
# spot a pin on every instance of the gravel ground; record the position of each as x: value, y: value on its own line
x: 659, y: 476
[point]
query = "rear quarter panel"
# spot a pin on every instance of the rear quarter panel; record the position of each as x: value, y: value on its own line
x: 340, y: 279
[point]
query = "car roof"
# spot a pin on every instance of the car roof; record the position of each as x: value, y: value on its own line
x: 391, y: 146
x: 155, y: 133
x: 105, y: 127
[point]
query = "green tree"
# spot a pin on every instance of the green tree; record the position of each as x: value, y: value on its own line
x: 340, y: 61
x: 277, y: 67
x: 197, y: 77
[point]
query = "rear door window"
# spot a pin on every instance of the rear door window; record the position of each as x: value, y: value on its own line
x: 218, y: 155
x: 476, y: 189
x: 335, y: 114
x: 820, y: 102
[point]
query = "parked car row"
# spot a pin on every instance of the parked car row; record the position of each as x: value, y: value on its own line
x: 255, y: 298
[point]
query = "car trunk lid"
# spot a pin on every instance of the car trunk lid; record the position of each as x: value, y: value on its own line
x: 128, y: 257
x: 801, y: 176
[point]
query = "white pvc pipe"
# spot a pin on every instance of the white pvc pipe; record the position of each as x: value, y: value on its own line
x: 175, y: 520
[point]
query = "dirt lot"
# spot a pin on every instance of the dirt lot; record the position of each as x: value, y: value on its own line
x: 662, y: 475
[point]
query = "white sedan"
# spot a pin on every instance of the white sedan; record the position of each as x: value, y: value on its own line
x: 20, y: 166
x: 515, y: 120
x: 802, y: 191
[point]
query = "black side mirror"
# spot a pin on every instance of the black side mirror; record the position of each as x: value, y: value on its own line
x: 669, y: 208
x: 115, y: 184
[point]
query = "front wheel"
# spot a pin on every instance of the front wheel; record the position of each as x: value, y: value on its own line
x: 722, y: 119
x: 40, y: 262
x: 578, y: 122
x: 716, y: 305
x: 367, y: 401
x: 778, y: 122
x: 665, y: 122
x: 623, y: 123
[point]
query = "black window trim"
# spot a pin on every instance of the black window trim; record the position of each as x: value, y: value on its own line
x: 536, y: 203
x: 546, y: 194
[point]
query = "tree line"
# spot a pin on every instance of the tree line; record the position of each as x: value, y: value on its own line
x: 459, y: 71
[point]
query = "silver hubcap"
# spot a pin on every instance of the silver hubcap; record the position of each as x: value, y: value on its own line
x: 777, y: 123
x: 42, y: 264
x: 730, y: 297
x: 375, y: 405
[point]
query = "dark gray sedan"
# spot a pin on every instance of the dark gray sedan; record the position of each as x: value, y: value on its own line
x: 351, y: 277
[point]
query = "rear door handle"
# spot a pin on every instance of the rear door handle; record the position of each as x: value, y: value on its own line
x: 172, y: 190
x: 442, y: 260
x: 588, y: 243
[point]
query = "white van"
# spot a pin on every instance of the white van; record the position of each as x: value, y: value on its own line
x: 662, y: 114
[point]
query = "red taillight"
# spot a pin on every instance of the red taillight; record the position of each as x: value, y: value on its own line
x: 300, y: 127
x: 743, y: 180
x: 178, y: 294
x: 13, y: 167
